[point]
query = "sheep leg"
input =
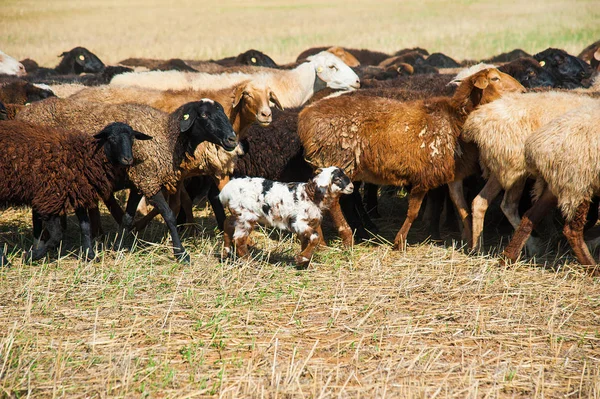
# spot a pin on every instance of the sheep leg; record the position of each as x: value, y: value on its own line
x: 40, y: 247
x: 240, y: 236
x: 479, y: 207
x: 510, y: 208
x: 132, y: 204
x: 84, y: 224
x: 114, y: 208
x: 309, y: 241
x: 348, y: 206
x: 228, y: 231
x: 532, y: 217
x: 433, y: 211
x: 371, y: 199
x: 213, y: 198
x: 458, y: 198
x: 174, y: 204
x: 573, y: 230
x: 159, y: 201
x: 340, y: 223
x: 187, y: 206
x: 414, y: 205
x: 95, y: 224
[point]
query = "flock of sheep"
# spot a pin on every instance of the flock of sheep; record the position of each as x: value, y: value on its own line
x: 300, y: 140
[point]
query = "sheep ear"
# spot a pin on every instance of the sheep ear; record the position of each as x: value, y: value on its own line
x: 187, y: 120
x: 238, y: 95
x: 141, y: 136
x: 273, y: 98
x: 481, y: 82
x: 63, y: 54
x: 597, y: 55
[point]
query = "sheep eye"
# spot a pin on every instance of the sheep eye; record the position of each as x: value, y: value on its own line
x: 495, y: 79
x: 333, y: 67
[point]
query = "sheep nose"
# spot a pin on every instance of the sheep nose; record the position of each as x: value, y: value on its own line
x: 265, y: 113
x: 127, y: 161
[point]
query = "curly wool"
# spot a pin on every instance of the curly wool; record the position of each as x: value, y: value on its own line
x: 53, y: 170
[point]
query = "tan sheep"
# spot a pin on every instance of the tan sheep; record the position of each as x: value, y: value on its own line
x: 499, y: 130
x: 563, y: 155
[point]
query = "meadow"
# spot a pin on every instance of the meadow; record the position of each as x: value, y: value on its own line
x: 434, y: 321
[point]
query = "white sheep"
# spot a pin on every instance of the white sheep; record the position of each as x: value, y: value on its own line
x: 10, y: 66
x: 294, y: 87
x: 296, y: 207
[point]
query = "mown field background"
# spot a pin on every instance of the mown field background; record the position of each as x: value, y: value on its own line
x: 433, y: 321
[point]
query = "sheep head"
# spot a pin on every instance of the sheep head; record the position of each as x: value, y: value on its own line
x: 254, y: 100
x: 117, y: 140
x: 333, y: 72
x: 205, y: 120
x: 10, y: 66
x: 483, y: 87
x: 79, y: 60
x: 345, y: 56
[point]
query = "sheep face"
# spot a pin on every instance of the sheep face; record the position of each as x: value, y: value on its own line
x: 529, y: 73
x: 255, y: 58
x: 569, y: 70
x: 79, y: 60
x: 331, y: 70
x: 255, y: 100
x: 117, y: 140
x: 334, y: 181
x: 491, y: 84
x: 205, y: 120
x: 345, y: 56
x: 10, y: 66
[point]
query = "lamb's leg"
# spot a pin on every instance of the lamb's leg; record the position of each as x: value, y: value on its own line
x: 310, y: 240
x: 213, y: 198
x: 371, y: 200
x: 159, y: 201
x: 479, y: 207
x: 228, y: 233
x: 458, y: 198
x: 414, y: 204
x: 243, y: 228
x: 531, y: 218
x: 340, y: 224
x: 573, y: 230
x: 510, y: 208
x: 84, y: 224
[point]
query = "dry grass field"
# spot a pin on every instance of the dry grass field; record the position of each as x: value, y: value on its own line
x: 431, y: 322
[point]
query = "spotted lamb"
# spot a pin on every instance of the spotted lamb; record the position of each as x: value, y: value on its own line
x: 297, y: 207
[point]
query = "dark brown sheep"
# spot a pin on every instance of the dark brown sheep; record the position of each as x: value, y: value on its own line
x: 57, y: 171
x: 383, y: 141
x: 21, y: 92
x: 434, y: 84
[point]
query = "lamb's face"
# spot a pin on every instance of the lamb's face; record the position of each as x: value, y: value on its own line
x: 117, y: 140
x: 10, y: 66
x: 331, y: 70
x: 334, y: 180
x: 205, y: 120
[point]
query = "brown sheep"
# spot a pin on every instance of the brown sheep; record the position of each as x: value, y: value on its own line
x: 383, y: 141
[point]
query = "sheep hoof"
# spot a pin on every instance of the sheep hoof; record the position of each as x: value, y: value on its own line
x: 399, y: 245
x: 33, y: 255
x: 183, y: 257
x: 302, y: 262
x: 506, y: 260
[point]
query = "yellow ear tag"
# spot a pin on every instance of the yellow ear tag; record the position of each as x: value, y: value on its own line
x: 81, y: 57
x: 253, y: 60
x: 542, y: 63
x: 320, y: 69
x: 186, y: 117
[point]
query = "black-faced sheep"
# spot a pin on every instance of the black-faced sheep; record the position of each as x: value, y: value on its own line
x: 10, y: 66
x: 563, y: 155
x: 529, y: 73
x: 296, y: 207
x: 383, y: 141
x: 74, y: 62
x: 500, y: 129
x: 250, y: 57
x: 56, y: 171
x: 186, y: 135
x: 569, y: 71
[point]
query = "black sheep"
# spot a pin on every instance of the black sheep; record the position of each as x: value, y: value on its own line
x: 56, y: 171
x: 74, y: 62
x: 440, y: 60
x: 90, y: 79
x: 569, y: 71
x: 529, y: 73
x: 21, y: 92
